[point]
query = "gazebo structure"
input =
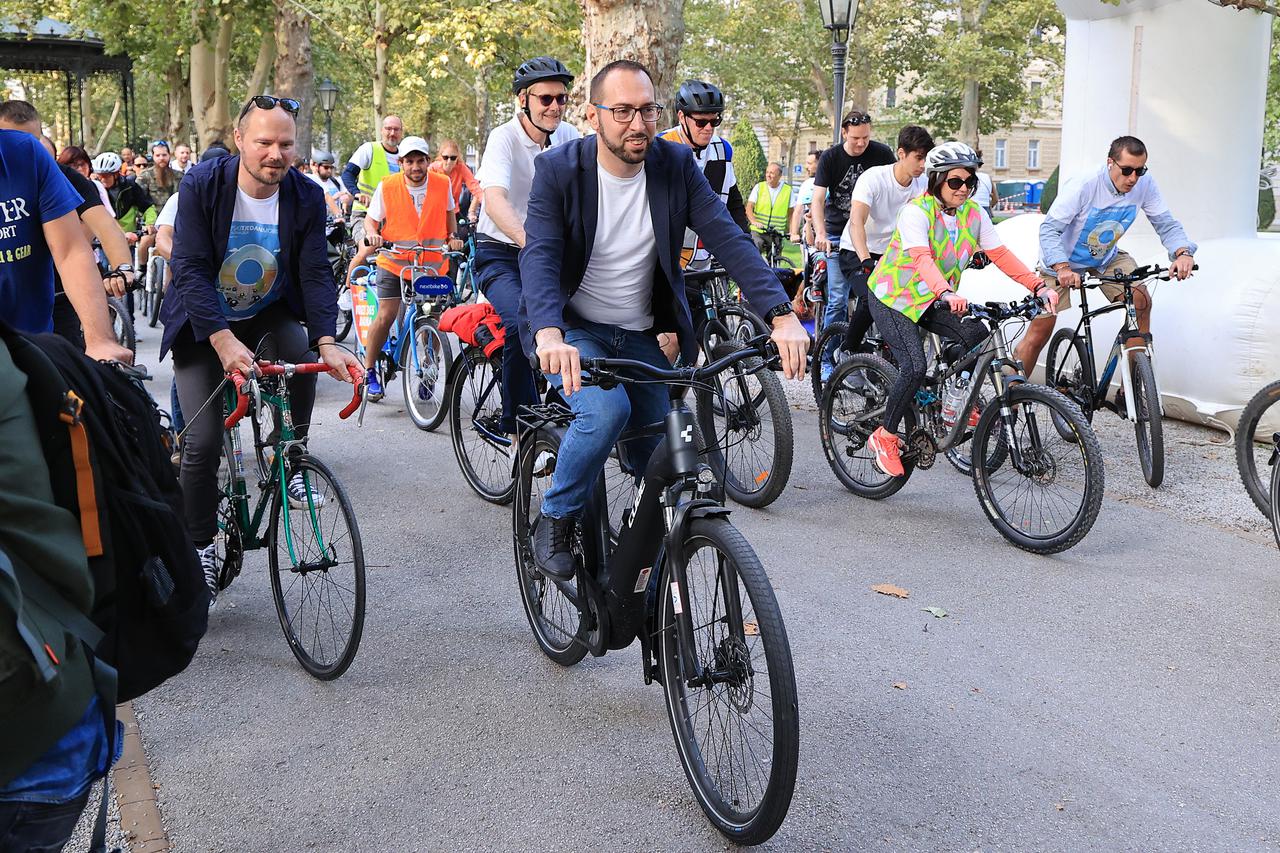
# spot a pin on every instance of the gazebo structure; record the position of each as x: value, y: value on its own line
x: 50, y: 46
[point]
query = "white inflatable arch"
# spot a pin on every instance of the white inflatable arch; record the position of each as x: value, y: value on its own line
x: 1197, y: 103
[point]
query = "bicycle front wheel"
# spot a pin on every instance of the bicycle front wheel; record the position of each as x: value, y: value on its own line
x: 1260, y: 418
x: 1045, y: 493
x: 827, y: 349
x: 475, y: 421
x: 732, y: 706
x: 853, y: 406
x: 1150, y: 426
x: 425, y: 374
x: 317, y: 570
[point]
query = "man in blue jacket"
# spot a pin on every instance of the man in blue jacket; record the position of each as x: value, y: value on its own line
x: 250, y: 269
x: 601, y: 277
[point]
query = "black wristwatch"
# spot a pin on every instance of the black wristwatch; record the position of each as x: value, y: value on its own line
x: 782, y: 309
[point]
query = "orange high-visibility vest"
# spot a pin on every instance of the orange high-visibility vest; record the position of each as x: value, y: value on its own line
x: 404, y: 222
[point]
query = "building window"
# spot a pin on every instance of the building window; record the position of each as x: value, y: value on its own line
x: 891, y: 97
x: 1002, y: 154
x: 813, y: 146
x: 1037, y: 94
x: 1033, y: 154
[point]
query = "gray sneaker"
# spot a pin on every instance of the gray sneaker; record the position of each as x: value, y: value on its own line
x: 297, y: 490
x: 212, y: 568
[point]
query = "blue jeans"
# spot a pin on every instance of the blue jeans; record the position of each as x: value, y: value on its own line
x: 498, y: 277
x: 837, y: 287
x: 600, y: 416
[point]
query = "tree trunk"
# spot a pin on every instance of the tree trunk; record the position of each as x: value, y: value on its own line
x: 647, y: 31
x: 822, y: 87
x: 209, y: 105
x: 111, y: 125
x: 482, y: 109
x: 381, y: 55
x: 294, y: 75
x: 86, y: 111
x: 970, y: 105
x: 177, y: 104
x: 260, y: 80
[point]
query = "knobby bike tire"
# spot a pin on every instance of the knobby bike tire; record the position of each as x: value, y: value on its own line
x: 830, y: 340
x: 849, y: 414
x: 341, y: 598
x: 122, y: 323
x: 489, y: 477
x: 1149, y: 428
x: 229, y: 538
x: 558, y: 626
x: 434, y: 353
x: 741, y: 652
x: 1248, y: 448
x: 1083, y: 442
x: 1064, y: 370
x: 761, y: 483
x: 345, y: 319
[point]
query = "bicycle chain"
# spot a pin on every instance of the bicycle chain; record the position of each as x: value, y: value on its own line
x: 921, y: 445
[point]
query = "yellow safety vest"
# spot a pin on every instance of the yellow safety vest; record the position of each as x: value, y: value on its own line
x: 770, y: 212
x: 369, y: 178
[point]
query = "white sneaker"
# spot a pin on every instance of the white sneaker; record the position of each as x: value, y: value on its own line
x: 297, y: 491
x: 209, y: 564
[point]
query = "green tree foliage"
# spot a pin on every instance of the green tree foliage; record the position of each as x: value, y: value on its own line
x: 1271, y: 127
x: 748, y: 157
x: 1266, y: 208
x: 1050, y: 191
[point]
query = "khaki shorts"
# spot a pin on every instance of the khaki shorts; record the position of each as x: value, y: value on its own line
x: 1121, y: 263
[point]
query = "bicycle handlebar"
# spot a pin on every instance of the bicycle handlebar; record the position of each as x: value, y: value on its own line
x: 1029, y: 308
x: 605, y: 370
x: 1140, y: 274
x: 280, y: 368
x: 695, y: 276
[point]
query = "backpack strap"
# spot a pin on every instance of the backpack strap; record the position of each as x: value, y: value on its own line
x: 90, y: 525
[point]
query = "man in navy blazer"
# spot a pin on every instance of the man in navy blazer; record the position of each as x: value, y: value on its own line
x: 600, y: 277
x: 249, y: 269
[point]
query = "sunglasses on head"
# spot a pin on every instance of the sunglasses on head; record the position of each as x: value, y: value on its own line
x: 448, y: 156
x: 956, y: 183
x: 270, y: 102
x: 856, y: 119
x: 547, y: 100
x: 1129, y: 170
x: 703, y: 122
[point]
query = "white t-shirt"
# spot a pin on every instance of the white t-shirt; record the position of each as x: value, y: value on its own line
x: 880, y: 191
x: 982, y: 195
x: 806, y: 192
x: 508, y: 163
x: 363, y: 157
x: 331, y: 185
x: 249, y: 279
x: 913, y: 225
x: 617, y: 285
x: 378, y: 212
x: 169, y: 213
x: 102, y: 194
x: 773, y: 194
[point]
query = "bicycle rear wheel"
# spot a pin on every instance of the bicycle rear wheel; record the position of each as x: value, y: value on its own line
x: 1260, y: 418
x: 425, y: 374
x: 558, y: 625
x: 317, y: 570
x: 736, y: 726
x: 852, y: 408
x: 1149, y: 427
x: 475, y: 414
x: 122, y: 323
x: 1045, y: 494
x: 1064, y: 370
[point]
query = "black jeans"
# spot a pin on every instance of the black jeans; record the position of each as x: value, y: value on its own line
x: 860, y: 319
x: 39, y: 827
x: 904, y: 340
x: 197, y: 372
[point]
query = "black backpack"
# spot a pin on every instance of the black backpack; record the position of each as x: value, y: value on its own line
x: 109, y: 466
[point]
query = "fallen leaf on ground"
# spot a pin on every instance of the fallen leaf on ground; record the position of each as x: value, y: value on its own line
x: 1059, y: 806
x: 899, y: 685
x: 977, y: 690
x: 938, y: 612
x: 751, y: 629
x: 890, y: 589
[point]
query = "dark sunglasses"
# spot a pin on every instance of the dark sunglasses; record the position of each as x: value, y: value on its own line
x: 270, y: 102
x: 448, y: 156
x: 1129, y: 170
x: 703, y: 122
x: 856, y: 119
x: 547, y: 100
x: 956, y: 183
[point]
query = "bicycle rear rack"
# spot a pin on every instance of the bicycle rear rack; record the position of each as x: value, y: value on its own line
x: 543, y: 415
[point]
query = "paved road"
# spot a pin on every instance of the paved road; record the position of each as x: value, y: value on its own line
x: 1119, y: 696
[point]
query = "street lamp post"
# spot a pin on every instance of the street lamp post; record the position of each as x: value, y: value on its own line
x: 327, y: 91
x: 838, y: 16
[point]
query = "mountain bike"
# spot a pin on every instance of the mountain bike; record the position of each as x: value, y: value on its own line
x: 415, y: 347
x: 1041, y: 490
x: 773, y: 246
x: 315, y: 554
x: 744, y: 413
x: 1070, y: 369
x: 1257, y: 420
x: 683, y: 581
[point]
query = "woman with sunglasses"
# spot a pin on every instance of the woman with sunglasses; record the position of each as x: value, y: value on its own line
x: 915, y: 282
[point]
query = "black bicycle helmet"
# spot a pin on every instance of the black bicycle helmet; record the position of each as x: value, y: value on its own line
x: 696, y: 96
x: 537, y: 70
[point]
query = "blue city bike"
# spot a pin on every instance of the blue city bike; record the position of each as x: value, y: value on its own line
x: 415, y: 349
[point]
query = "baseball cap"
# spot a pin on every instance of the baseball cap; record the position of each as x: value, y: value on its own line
x: 410, y: 144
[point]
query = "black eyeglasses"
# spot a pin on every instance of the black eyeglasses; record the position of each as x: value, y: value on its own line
x: 649, y: 113
x: 547, y: 100
x: 448, y: 156
x: 956, y: 183
x: 856, y: 119
x: 703, y: 122
x: 270, y: 102
x: 1129, y: 170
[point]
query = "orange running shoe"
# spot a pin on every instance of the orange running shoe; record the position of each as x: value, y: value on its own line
x: 885, y: 446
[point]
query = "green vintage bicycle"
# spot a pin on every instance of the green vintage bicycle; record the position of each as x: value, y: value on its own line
x: 311, y: 536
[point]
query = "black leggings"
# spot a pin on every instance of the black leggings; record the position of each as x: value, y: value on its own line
x: 904, y: 341
x: 197, y: 372
x: 860, y: 315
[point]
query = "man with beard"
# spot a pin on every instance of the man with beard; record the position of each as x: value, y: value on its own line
x: 601, y: 277
x: 249, y: 270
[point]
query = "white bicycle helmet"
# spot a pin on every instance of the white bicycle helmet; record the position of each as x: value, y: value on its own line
x: 951, y: 155
x: 106, y: 162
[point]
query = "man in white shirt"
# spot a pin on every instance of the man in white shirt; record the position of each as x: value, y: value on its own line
x: 769, y: 216
x: 801, y: 227
x: 181, y: 158
x: 541, y: 88
x: 879, y: 195
x: 985, y: 194
x: 369, y: 164
x: 336, y: 196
